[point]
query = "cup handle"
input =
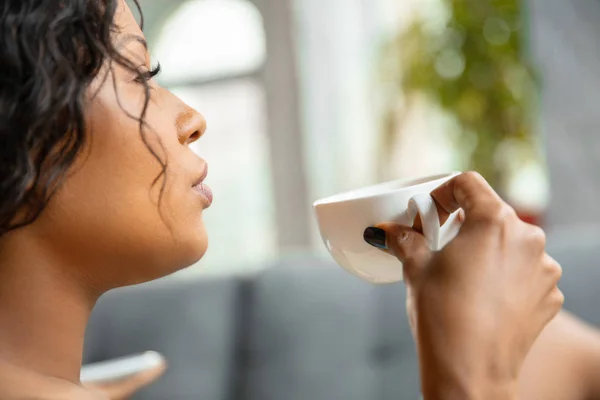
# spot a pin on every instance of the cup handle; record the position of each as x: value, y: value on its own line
x: 437, y: 236
x: 449, y: 230
x: 424, y: 205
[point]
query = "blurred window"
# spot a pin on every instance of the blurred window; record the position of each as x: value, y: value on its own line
x: 211, y: 52
x: 207, y: 39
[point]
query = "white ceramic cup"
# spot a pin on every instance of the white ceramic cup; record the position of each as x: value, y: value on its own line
x: 343, y: 219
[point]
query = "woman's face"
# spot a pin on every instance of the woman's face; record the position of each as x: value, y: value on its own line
x: 107, y: 219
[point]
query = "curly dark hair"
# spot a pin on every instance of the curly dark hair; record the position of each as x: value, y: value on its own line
x: 50, y: 52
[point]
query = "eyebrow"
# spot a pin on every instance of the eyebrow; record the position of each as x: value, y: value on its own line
x: 129, y: 37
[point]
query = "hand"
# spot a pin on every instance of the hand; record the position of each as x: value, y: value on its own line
x: 124, y: 389
x: 478, y: 305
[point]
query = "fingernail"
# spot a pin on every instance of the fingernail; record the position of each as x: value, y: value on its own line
x: 403, y: 237
x: 375, y: 237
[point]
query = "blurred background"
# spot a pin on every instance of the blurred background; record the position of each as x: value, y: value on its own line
x: 305, y: 98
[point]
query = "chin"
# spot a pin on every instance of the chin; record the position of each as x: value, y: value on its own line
x: 184, y: 252
x: 195, y: 253
x: 190, y: 249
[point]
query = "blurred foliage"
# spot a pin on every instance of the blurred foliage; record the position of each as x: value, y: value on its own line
x: 472, y: 66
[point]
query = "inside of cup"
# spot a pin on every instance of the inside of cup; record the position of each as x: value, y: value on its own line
x: 380, y: 188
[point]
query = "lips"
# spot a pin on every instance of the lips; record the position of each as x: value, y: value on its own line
x: 202, y: 189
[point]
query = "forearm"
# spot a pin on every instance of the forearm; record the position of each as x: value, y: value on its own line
x: 564, y: 363
x: 452, y: 392
x: 455, y: 371
x: 439, y: 382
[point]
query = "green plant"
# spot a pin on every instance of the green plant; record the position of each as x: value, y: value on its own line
x: 473, y: 67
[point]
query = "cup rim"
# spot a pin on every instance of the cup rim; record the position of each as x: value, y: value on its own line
x: 346, y: 196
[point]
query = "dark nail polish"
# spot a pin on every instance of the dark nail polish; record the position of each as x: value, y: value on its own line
x: 375, y: 237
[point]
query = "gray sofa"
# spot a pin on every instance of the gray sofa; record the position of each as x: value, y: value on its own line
x: 300, y: 330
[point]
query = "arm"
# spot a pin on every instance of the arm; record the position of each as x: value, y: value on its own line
x: 564, y: 362
x: 478, y: 305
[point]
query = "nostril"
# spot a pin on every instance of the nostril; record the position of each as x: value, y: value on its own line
x: 193, y: 137
x: 190, y: 126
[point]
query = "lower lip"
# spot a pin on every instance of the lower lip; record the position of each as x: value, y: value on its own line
x: 204, y: 191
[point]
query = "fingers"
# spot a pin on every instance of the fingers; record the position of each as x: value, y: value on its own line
x: 125, y: 388
x: 552, y: 269
x: 554, y: 298
x: 554, y: 301
x: 408, y: 245
x: 468, y: 191
x: 558, y: 299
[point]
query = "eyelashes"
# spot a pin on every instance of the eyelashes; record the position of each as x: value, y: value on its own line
x: 145, y: 76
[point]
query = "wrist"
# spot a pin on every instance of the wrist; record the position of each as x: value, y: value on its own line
x: 443, y: 387
x: 461, y: 376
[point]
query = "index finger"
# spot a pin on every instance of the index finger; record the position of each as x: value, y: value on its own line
x: 468, y: 191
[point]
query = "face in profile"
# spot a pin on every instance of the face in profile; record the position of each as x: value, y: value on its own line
x: 131, y: 207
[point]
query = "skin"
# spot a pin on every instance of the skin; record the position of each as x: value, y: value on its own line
x: 480, y: 309
x: 18, y: 383
x: 477, y: 306
x: 124, y: 389
x: 104, y: 229
x: 564, y: 362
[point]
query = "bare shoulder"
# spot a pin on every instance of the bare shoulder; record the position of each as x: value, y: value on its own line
x: 18, y: 384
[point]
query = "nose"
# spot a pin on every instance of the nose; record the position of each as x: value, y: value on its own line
x: 191, y: 125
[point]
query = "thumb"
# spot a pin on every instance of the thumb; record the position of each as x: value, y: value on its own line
x: 407, y: 244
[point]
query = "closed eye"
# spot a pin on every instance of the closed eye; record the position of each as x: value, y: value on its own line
x: 147, y: 75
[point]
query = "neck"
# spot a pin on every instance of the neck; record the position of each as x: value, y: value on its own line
x: 44, y: 309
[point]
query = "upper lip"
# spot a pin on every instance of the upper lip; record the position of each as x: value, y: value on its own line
x: 202, y: 176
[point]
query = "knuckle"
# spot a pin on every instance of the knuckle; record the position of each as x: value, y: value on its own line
x: 556, y: 271
x: 552, y: 269
x: 462, y: 180
x: 498, y: 214
x: 468, y: 185
x: 537, y: 237
x: 467, y: 178
x: 557, y: 298
x: 471, y: 176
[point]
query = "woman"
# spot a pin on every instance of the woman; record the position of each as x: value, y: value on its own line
x: 99, y: 189
x: 84, y: 130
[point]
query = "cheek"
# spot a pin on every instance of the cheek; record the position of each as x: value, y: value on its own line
x: 108, y: 210
x: 181, y: 215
